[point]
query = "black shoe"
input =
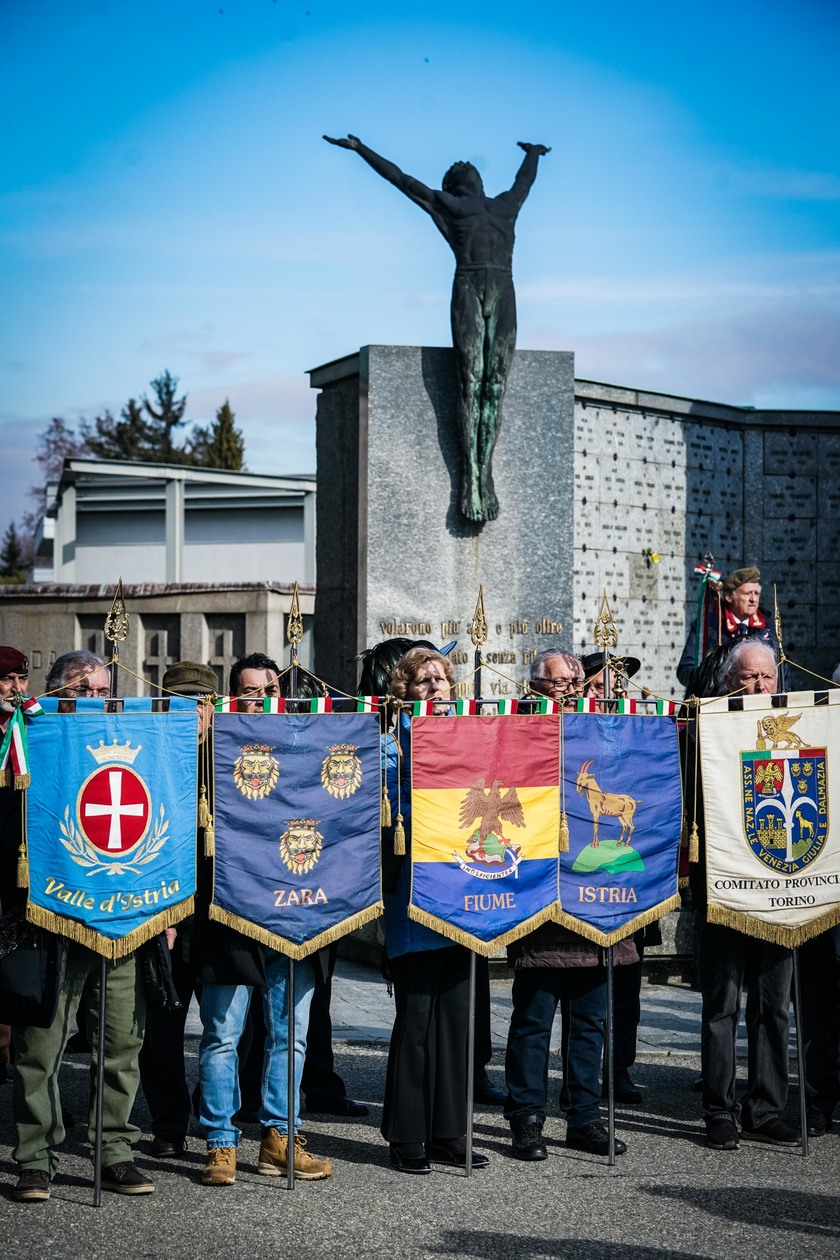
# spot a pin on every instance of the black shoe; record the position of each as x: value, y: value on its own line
x: 721, y: 1133
x: 817, y: 1123
x: 774, y: 1131
x: 454, y: 1151
x: 486, y: 1093
x: 625, y: 1091
x: 168, y: 1147
x: 409, y: 1157
x: 336, y: 1106
x: 126, y: 1179
x: 527, y: 1138
x: 33, y: 1186
x: 593, y: 1138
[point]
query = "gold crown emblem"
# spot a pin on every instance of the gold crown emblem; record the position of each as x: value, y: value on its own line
x: 114, y: 752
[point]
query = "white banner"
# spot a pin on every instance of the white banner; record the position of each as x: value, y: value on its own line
x: 770, y: 777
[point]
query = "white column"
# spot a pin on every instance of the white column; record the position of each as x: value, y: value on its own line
x: 64, y: 542
x: 175, y: 531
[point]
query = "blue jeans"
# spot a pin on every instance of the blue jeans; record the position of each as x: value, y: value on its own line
x: 224, y: 1009
x: 536, y: 993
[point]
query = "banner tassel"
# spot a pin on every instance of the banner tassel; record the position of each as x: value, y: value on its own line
x: 563, y: 835
x: 385, y: 809
x: 399, y: 837
x: 694, y: 843
x: 205, y: 821
x: 22, y: 866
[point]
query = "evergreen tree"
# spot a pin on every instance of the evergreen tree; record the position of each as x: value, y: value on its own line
x: 164, y: 419
x: 222, y: 444
x: 11, y: 557
x: 127, y: 438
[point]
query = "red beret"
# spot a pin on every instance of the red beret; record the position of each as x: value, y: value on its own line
x: 13, y: 662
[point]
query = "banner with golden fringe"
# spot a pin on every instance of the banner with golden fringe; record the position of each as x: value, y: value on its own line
x: 297, y: 826
x: 770, y: 770
x: 111, y: 821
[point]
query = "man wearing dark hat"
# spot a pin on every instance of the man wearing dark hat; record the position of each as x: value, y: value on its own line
x: 14, y: 683
x: 162, y: 1068
x: 594, y: 673
x: 738, y: 616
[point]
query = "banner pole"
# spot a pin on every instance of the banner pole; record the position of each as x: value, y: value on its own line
x: 610, y: 1055
x: 294, y: 634
x: 470, y: 1067
x: 800, y: 1053
x: 100, y: 1083
x: 290, y: 1079
x: 116, y: 632
x: 478, y: 634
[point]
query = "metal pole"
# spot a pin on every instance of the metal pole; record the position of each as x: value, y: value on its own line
x: 800, y: 1053
x: 100, y: 1083
x: 610, y: 1055
x: 470, y: 1066
x: 291, y: 1107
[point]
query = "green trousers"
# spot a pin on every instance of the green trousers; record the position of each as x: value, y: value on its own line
x: 36, y: 1104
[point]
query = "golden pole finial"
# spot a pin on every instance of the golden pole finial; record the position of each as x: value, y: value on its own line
x: 478, y: 626
x: 116, y: 632
x: 116, y: 622
x: 777, y: 626
x: 605, y: 634
x: 294, y: 626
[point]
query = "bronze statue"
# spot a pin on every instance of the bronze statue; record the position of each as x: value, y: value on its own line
x: 479, y: 230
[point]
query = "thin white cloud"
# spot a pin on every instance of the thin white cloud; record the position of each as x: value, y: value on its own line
x: 751, y: 180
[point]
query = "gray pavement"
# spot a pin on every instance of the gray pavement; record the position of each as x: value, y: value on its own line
x: 668, y: 1197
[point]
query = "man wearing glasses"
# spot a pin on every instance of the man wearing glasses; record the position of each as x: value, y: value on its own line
x: 35, y: 1102
x: 558, y: 674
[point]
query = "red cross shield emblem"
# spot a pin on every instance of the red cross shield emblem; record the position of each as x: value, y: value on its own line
x: 114, y: 809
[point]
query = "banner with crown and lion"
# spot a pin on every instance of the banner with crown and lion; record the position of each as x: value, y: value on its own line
x: 111, y: 821
x: 297, y: 826
x: 770, y: 776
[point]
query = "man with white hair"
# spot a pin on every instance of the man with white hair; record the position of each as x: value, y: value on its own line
x: 731, y: 961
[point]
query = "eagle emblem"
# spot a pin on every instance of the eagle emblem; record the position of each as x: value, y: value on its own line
x: 490, y: 808
x: 341, y: 770
x: 301, y: 845
x: 255, y: 771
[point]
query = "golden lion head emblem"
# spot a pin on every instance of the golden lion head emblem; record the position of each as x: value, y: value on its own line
x: 301, y: 845
x: 255, y: 771
x: 341, y: 770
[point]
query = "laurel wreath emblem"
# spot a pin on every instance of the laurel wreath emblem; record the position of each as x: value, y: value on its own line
x: 82, y: 851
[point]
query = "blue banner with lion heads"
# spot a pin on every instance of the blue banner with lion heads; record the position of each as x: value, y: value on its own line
x: 111, y: 821
x: 297, y: 818
x: 623, y: 798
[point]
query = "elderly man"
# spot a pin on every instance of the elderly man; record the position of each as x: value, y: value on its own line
x: 740, y: 617
x: 35, y: 1100
x: 730, y: 961
x: 552, y: 965
x: 230, y: 967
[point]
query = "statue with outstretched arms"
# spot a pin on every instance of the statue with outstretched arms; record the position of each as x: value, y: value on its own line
x: 480, y: 231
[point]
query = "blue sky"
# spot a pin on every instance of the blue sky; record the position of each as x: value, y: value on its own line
x: 166, y: 199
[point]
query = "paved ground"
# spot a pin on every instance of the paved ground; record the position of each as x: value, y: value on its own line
x: 668, y: 1197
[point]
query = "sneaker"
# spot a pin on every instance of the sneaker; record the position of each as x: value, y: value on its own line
x: 721, y: 1133
x: 33, y: 1186
x: 220, y: 1169
x: 527, y: 1138
x: 126, y: 1179
x: 774, y: 1131
x: 273, y: 1159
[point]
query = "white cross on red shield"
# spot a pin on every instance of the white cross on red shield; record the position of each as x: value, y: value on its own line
x: 114, y: 809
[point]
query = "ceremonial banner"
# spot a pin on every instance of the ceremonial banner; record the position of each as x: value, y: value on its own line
x: 623, y: 799
x: 297, y: 821
x: 111, y: 821
x: 770, y: 775
x: 485, y: 817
